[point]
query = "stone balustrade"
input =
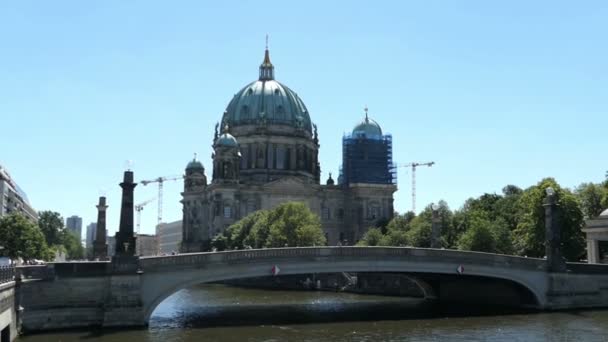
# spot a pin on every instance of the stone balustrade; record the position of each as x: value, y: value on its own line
x: 439, y: 255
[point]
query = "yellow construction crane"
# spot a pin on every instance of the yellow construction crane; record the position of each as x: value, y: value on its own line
x: 138, y: 208
x: 414, y: 165
x: 160, y: 181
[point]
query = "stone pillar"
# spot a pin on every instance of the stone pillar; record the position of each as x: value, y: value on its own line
x: 100, y: 246
x: 435, y: 227
x: 125, y: 238
x: 555, y: 261
x: 593, y: 252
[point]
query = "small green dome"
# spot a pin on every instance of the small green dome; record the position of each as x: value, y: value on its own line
x: 367, y: 128
x: 194, y: 164
x: 226, y: 140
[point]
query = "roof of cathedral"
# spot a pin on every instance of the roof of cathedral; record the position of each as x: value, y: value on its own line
x: 267, y: 101
x: 195, y: 164
x: 367, y: 128
x: 227, y: 140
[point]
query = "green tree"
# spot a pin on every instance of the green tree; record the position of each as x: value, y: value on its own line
x: 400, y: 222
x: 478, y: 237
x: 289, y: 224
x: 507, y: 206
x: 395, y: 238
x: 51, y: 225
x: 485, y: 235
x: 529, y: 236
x: 293, y: 224
x: 371, y: 238
x: 220, y: 242
x: 593, y: 198
x: 502, y: 236
x: 73, y: 246
x: 419, y: 234
x: 22, y: 238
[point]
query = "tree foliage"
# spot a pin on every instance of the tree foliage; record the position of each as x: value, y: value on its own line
x: 290, y: 224
x: 529, y: 235
x: 593, y: 198
x: 57, y: 237
x: 73, y: 246
x: 51, y: 225
x: 22, y: 239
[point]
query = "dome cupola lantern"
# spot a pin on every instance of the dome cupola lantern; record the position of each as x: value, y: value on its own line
x: 266, y: 68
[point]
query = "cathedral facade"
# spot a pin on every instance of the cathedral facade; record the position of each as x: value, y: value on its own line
x: 265, y: 152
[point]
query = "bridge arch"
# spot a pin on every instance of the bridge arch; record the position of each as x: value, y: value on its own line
x: 163, y: 276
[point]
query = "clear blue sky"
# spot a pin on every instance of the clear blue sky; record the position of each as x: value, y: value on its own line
x: 494, y: 92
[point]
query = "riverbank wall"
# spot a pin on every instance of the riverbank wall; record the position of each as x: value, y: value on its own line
x: 9, y: 306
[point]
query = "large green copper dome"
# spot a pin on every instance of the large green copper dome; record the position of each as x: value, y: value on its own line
x: 267, y: 102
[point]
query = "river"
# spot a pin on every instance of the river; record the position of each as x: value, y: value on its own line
x: 222, y: 313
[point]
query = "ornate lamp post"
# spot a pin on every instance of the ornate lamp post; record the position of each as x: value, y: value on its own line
x: 555, y: 261
x: 435, y: 227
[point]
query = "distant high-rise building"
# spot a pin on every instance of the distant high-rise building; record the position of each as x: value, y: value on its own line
x: 111, y: 245
x: 91, y: 228
x: 169, y: 237
x: 12, y: 198
x: 145, y: 245
x: 74, y: 225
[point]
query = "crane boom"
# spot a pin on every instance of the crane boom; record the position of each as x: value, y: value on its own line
x: 160, y: 181
x: 414, y: 165
x: 138, y: 208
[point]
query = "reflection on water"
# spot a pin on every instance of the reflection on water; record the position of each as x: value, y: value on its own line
x: 220, y: 313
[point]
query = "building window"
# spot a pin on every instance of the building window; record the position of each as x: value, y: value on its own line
x: 374, y: 213
x: 270, y: 157
x: 250, y: 207
x: 281, y: 158
x: 244, y: 157
x: 260, y: 160
x: 340, y: 213
x: 325, y: 213
x: 227, y: 211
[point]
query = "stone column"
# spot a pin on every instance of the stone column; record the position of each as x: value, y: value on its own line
x: 435, y: 227
x: 555, y: 261
x: 593, y: 252
x: 125, y: 239
x: 100, y: 246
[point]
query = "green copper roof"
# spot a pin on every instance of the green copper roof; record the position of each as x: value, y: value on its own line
x: 195, y: 164
x: 226, y: 140
x: 267, y: 102
x: 367, y: 128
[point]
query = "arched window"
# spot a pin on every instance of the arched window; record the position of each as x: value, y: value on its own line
x: 325, y: 213
x: 280, y: 158
x: 227, y: 211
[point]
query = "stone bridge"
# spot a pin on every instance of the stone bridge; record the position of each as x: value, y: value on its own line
x: 125, y: 293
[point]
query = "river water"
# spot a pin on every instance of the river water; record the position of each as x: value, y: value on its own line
x: 222, y: 313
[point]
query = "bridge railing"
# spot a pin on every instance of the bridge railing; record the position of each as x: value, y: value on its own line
x: 35, y: 272
x: 464, y: 257
x: 584, y: 268
x: 7, y: 274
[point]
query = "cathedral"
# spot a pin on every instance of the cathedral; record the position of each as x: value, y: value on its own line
x: 266, y: 152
